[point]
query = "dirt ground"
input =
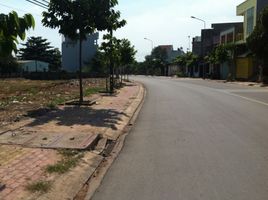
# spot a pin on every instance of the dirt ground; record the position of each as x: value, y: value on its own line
x: 21, y: 97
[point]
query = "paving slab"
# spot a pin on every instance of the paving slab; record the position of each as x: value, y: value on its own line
x: 68, y: 185
x: 50, y: 140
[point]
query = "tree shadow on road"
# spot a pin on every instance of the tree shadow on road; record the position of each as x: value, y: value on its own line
x: 75, y: 115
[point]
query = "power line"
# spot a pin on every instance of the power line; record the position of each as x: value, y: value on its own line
x: 45, y: 1
x: 18, y: 9
x: 37, y: 3
x: 41, y: 3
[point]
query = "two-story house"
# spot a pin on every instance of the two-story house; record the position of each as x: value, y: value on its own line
x: 250, y: 9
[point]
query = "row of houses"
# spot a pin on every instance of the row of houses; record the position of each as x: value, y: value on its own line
x: 243, y: 66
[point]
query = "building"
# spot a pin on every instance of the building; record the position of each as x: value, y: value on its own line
x: 232, y: 35
x: 70, y: 52
x: 210, y: 38
x: 250, y: 9
x: 171, y: 55
x: 196, y: 46
x: 33, y: 66
x: 246, y: 67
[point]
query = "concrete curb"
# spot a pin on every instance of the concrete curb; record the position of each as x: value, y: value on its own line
x: 95, y: 181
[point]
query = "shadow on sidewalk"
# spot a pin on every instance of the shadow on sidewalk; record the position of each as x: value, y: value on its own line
x: 69, y: 116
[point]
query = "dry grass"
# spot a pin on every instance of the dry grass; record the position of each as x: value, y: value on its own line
x: 19, y: 96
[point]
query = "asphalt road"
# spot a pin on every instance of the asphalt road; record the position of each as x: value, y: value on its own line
x: 194, y: 140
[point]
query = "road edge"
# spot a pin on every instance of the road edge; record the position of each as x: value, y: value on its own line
x: 97, y: 177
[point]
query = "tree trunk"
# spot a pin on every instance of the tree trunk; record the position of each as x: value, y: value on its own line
x: 80, y: 70
x: 111, y: 66
x: 260, y: 78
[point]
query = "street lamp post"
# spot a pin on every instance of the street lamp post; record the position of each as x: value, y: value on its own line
x: 152, y: 43
x: 193, y: 17
x: 189, y: 38
x: 202, y: 45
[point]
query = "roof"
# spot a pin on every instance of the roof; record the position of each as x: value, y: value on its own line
x: 30, y: 61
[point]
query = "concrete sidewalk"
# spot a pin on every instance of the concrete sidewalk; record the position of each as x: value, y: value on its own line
x: 29, y: 146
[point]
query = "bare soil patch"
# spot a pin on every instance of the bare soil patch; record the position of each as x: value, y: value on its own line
x: 19, y: 97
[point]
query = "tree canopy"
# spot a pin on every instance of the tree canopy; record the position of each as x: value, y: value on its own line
x: 127, y: 52
x: 13, y: 27
x: 38, y: 48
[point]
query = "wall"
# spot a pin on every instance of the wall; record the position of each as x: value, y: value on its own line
x: 244, y: 68
x: 70, y: 52
x: 224, y: 71
x: 34, y: 66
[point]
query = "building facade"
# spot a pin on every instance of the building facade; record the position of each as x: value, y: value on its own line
x: 33, y: 66
x: 250, y: 9
x: 70, y: 52
x: 246, y: 67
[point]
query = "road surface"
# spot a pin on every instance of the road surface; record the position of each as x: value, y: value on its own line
x: 194, y: 140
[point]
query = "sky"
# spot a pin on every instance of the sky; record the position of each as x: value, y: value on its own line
x: 165, y: 22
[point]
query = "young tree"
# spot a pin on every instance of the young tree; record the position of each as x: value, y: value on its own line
x: 127, y: 54
x: 186, y: 60
x: 77, y: 19
x: 258, y: 41
x: 13, y: 27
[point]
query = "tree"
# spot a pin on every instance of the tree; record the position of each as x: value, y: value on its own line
x: 8, y: 65
x: 160, y: 57
x: 127, y: 53
x: 98, y: 64
x: 55, y: 60
x: 38, y: 48
x: 186, y: 60
x: 77, y: 19
x: 221, y: 54
x: 13, y: 27
x: 258, y: 41
x: 113, y: 23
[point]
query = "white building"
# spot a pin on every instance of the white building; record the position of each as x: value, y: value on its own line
x: 33, y: 66
x: 70, y: 52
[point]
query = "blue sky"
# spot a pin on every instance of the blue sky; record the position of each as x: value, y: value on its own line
x: 163, y: 21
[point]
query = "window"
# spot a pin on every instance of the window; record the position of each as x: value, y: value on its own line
x: 250, y: 20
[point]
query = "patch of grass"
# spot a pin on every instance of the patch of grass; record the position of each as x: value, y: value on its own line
x: 39, y: 186
x: 70, y: 159
x: 55, y: 102
x: 33, y: 91
x: 90, y: 91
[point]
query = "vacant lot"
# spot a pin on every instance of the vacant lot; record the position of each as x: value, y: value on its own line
x: 19, y: 96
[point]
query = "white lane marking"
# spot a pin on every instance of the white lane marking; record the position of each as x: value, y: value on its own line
x: 228, y: 91
x: 246, y: 98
